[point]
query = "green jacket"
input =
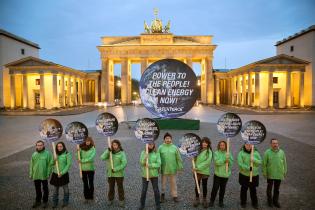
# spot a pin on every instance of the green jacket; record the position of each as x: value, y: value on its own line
x: 203, y: 161
x: 154, y: 164
x: 87, y: 159
x: 119, y: 163
x: 274, y: 164
x: 64, y: 161
x: 243, y: 160
x: 219, y: 164
x: 41, y: 165
x: 171, y: 160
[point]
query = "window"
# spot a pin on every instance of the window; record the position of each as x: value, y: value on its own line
x: 291, y: 48
x: 22, y: 51
x: 37, y: 81
x: 275, y: 80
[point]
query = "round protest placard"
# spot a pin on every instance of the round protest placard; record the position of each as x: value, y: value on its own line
x: 168, y: 88
x: 50, y: 130
x: 147, y: 130
x: 253, y: 132
x: 76, y: 132
x: 189, y: 145
x: 229, y: 124
x: 106, y: 124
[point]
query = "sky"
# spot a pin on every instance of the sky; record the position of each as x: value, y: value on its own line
x: 68, y: 31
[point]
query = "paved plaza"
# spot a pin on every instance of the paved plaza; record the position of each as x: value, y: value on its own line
x: 295, y: 132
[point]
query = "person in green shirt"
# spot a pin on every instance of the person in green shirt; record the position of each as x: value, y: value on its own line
x: 115, y: 175
x: 171, y: 162
x: 275, y: 170
x: 244, y: 160
x: 202, y: 167
x: 40, y: 170
x: 154, y: 164
x: 221, y: 176
x: 62, y: 180
x: 87, y: 155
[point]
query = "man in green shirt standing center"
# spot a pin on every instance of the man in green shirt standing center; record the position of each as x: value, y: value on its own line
x: 275, y: 170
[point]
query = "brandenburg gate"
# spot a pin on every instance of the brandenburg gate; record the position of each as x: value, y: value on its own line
x: 155, y: 44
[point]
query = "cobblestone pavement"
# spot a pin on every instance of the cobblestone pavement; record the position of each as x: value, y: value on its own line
x: 297, y: 191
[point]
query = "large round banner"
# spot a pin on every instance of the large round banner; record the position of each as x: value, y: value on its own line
x: 168, y: 88
x: 229, y: 124
x: 189, y: 145
x: 76, y: 132
x: 106, y: 124
x: 147, y: 130
x: 50, y: 130
x: 253, y: 132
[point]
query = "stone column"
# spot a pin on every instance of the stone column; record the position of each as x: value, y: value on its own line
x: 270, y: 90
x: 189, y: 62
x: 243, y: 90
x: 75, y: 91
x: 54, y: 90
x: 144, y: 64
x: 42, y: 91
x: 62, y: 90
x: 69, y: 101
x: 249, y: 86
x: 217, y: 91
x: 207, y: 87
x: 80, y: 91
x: 257, y: 85
x: 12, y: 91
x: 25, y: 91
x: 96, y: 90
x: 238, y: 90
x: 125, y: 82
x: 288, y: 90
x: 104, y: 79
x: 301, y: 89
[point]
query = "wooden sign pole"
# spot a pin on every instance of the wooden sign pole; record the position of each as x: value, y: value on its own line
x: 147, y: 160
x: 251, y: 164
x: 227, y: 155
x: 196, y: 178
x: 55, y: 156
x: 79, y: 158
x: 110, y: 152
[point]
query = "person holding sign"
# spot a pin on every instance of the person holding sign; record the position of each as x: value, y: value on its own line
x: 171, y: 162
x: 87, y: 156
x: 203, y: 161
x: 115, y: 175
x: 40, y: 170
x: 221, y: 176
x: 62, y: 180
x: 274, y: 169
x: 244, y: 160
x: 154, y: 163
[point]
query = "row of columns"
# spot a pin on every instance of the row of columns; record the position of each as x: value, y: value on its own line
x: 236, y: 89
x: 107, y: 84
x: 80, y: 94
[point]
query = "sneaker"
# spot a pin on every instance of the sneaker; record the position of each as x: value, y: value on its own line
x: 122, y: 204
x: 175, y: 199
x: 196, y: 202
x: 36, y: 204
x: 110, y: 203
x: 64, y: 205
x: 211, y: 204
x: 221, y: 204
x: 45, y: 205
x: 162, y: 198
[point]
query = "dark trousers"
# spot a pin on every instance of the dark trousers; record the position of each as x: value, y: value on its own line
x: 155, y: 186
x: 276, y: 186
x: 88, y: 184
x: 120, y: 186
x: 253, y: 194
x: 39, y: 194
x: 218, y: 183
x: 204, y: 182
